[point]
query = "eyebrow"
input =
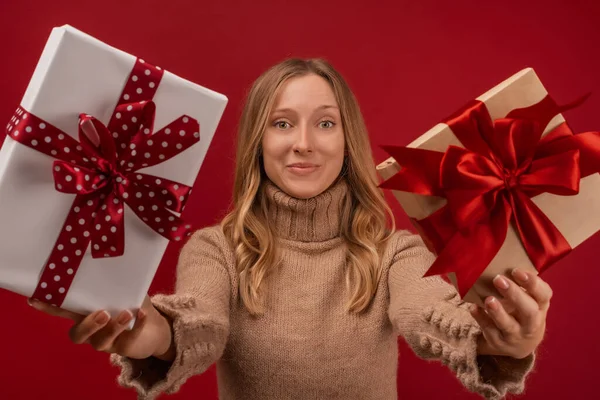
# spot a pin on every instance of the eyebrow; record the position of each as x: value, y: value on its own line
x: 323, y: 107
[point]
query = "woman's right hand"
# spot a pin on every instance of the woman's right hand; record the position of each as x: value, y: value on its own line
x: 150, y: 336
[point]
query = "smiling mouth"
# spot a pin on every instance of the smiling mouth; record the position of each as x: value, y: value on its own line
x: 302, y: 169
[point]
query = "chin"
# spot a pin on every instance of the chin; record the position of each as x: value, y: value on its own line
x: 303, y: 193
x: 305, y: 196
x: 304, y: 190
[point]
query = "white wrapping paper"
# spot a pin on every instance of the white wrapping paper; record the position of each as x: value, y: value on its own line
x: 77, y: 73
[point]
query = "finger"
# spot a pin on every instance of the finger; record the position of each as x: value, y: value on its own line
x: 527, y: 310
x: 506, y: 323
x: 54, y: 311
x: 490, y: 331
x: 140, y: 321
x: 535, y: 286
x: 126, y: 337
x: 485, y: 322
x: 81, y: 332
x: 103, y: 339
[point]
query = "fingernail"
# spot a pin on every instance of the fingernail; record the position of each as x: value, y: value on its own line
x: 501, y: 282
x: 491, y: 303
x: 520, y: 275
x: 141, y: 313
x: 33, y: 303
x: 102, y: 317
x: 124, y: 317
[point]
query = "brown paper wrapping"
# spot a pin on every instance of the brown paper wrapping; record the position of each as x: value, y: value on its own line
x: 577, y: 217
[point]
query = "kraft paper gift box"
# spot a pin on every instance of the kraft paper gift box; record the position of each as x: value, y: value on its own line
x: 79, y: 78
x: 577, y: 217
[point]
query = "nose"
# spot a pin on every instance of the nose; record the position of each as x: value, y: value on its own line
x: 303, y: 142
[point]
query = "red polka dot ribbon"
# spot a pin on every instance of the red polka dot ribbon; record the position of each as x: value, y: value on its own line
x: 101, y: 168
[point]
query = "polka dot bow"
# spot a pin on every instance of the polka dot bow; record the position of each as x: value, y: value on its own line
x: 101, y: 169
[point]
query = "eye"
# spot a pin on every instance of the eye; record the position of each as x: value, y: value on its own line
x: 281, y: 125
x: 326, y: 124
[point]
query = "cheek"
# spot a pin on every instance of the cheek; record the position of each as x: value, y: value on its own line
x: 272, y: 151
x: 335, y: 149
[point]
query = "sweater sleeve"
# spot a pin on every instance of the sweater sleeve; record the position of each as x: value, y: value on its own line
x: 199, y: 311
x: 437, y: 325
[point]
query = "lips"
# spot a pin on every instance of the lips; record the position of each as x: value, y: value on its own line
x: 302, y: 168
x: 302, y: 165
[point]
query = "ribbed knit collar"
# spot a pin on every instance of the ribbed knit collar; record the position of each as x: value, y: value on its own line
x: 308, y: 220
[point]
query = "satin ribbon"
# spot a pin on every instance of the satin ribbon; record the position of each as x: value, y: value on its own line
x: 101, y: 171
x: 490, y: 182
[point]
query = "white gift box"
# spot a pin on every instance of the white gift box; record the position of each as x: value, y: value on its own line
x: 77, y: 73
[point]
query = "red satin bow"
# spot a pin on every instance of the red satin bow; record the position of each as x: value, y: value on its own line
x: 490, y: 183
x: 101, y: 170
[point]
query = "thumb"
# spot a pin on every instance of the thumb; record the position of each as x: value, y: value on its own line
x: 54, y: 311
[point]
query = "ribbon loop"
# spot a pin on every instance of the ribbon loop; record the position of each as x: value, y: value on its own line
x: 97, y: 142
x: 557, y: 174
x: 137, y: 120
x: 176, y: 137
x: 420, y: 171
x: 71, y: 178
x: 173, y: 195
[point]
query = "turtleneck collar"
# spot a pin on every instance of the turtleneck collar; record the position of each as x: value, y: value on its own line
x: 307, y: 220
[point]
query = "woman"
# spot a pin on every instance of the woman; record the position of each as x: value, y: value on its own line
x: 301, y: 291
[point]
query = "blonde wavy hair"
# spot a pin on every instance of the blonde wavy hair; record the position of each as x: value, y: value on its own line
x: 366, y: 217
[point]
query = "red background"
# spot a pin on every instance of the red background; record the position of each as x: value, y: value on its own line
x: 410, y: 64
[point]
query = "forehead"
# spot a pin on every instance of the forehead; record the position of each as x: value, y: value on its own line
x: 308, y: 91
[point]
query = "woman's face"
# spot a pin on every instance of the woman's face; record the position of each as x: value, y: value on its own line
x: 303, y: 145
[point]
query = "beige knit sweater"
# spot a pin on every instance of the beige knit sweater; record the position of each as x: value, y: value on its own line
x: 306, y: 346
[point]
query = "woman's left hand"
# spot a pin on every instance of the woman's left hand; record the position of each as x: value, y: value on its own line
x: 519, y: 333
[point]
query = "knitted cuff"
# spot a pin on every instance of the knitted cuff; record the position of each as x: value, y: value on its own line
x: 199, y: 340
x: 452, y: 337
